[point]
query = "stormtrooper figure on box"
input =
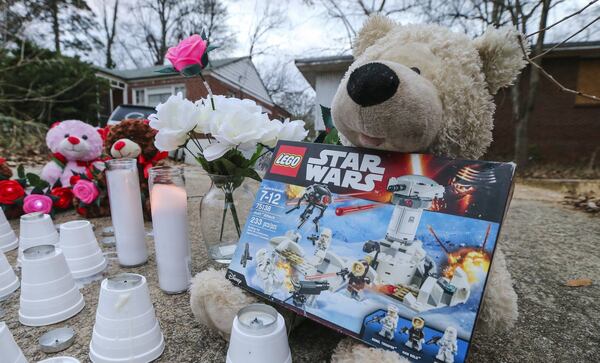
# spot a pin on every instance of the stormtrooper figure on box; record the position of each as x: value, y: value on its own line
x: 389, y: 323
x: 267, y: 271
x: 448, y: 346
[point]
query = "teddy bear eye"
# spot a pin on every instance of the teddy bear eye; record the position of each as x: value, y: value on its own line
x: 84, y: 137
x: 67, y: 135
x: 416, y: 70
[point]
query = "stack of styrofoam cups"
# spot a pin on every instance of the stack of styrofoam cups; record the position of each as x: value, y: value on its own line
x: 9, y: 350
x: 126, y: 328
x: 36, y: 229
x: 8, y: 238
x: 79, y: 245
x: 258, y: 335
x: 9, y: 282
x: 48, y: 291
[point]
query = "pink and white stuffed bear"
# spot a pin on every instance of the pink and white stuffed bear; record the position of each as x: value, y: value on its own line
x: 75, y: 146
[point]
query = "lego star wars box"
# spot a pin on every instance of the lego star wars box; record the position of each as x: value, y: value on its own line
x: 392, y: 249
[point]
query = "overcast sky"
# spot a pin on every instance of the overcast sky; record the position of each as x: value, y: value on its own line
x: 308, y: 31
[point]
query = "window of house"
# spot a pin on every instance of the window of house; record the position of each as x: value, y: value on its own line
x: 155, y: 95
x: 140, y: 98
x: 588, y: 81
x: 158, y: 96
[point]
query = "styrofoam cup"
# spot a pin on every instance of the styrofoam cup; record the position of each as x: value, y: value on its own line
x: 36, y: 229
x: 80, y: 247
x: 126, y: 328
x: 76, y: 232
x: 10, y: 351
x: 8, y: 238
x: 60, y: 360
x: 9, y: 282
x: 48, y: 291
x: 262, y: 342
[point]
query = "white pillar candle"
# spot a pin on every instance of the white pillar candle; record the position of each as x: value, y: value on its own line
x: 126, y: 211
x: 170, y: 224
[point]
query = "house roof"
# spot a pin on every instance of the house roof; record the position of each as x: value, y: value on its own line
x: 152, y: 72
x: 239, y: 73
x: 310, y: 67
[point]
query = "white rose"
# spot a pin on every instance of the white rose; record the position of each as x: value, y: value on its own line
x: 209, y: 119
x: 293, y: 130
x: 173, y: 120
x: 273, y: 129
x: 233, y: 125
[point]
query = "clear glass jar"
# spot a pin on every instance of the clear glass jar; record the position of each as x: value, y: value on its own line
x: 223, y: 212
x: 126, y: 211
x: 168, y: 201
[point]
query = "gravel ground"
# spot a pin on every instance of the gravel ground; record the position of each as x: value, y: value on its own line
x: 546, y: 244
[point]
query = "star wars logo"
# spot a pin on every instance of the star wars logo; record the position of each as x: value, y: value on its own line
x: 345, y: 169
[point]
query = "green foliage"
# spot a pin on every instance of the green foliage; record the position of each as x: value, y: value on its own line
x: 21, y: 135
x: 38, y: 84
x: 233, y: 163
x: 330, y: 135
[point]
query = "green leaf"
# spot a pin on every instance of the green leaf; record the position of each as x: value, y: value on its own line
x: 203, y: 35
x: 210, y: 48
x: 33, y: 179
x: 251, y: 173
x: 257, y: 154
x: 167, y: 70
x: 192, y: 70
x: 38, y: 190
x: 204, y: 60
x: 327, y: 119
x: 332, y: 137
x: 21, y: 171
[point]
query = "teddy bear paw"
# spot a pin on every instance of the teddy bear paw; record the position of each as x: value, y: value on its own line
x: 350, y: 351
x: 215, y: 301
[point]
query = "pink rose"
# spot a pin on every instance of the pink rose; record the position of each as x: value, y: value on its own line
x: 85, y: 191
x: 37, y: 203
x: 189, y: 51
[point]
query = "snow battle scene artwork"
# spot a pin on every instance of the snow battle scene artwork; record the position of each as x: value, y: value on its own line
x: 393, y: 249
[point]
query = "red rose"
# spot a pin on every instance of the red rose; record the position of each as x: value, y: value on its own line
x: 65, y: 197
x: 10, y: 191
x: 74, y: 179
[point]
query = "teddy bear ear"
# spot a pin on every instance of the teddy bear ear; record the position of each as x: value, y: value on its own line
x: 374, y: 28
x: 502, y: 56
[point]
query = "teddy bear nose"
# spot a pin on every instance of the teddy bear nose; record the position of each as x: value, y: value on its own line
x: 372, y: 84
x: 119, y: 145
x: 73, y: 140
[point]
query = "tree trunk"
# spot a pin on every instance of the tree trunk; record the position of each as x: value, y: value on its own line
x: 55, y: 25
x: 523, y: 106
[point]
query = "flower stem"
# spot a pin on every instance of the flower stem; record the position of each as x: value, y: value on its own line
x: 210, y: 94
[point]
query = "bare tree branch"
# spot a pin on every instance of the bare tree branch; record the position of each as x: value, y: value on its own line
x: 551, y: 78
x: 563, y: 19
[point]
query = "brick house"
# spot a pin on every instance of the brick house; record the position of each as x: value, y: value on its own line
x: 235, y: 77
x: 563, y: 128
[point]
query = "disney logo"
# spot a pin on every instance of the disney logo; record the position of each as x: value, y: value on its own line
x: 234, y: 278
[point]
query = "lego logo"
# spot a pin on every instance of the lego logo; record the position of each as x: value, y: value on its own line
x: 288, y: 160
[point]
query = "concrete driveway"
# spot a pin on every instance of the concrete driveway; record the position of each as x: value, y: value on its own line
x: 546, y: 244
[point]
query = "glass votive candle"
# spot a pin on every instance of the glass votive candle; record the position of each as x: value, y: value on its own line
x: 126, y: 211
x: 168, y: 201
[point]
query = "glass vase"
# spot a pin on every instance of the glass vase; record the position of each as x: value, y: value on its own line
x: 223, y: 212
